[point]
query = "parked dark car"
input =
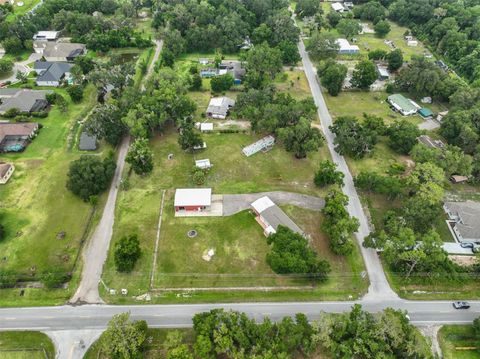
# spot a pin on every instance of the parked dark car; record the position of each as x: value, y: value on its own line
x: 461, y: 305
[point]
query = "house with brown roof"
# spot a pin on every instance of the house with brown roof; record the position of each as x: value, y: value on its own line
x: 6, y: 171
x: 15, y: 137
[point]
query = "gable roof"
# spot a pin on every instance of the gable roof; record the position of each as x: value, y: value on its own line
x: 220, y: 105
x: 54, y: 70
x: 273, y: 215
x: 467, y: 214
x: 193, y: 197
x: 402, y: 102
x: 4, y: 168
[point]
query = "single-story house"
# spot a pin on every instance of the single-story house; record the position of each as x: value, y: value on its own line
x: 87, y: 142
x: 270, y: 216
x: 63, y: 51
x: 14, y: 137
x: 6, y: 171
x: 345, y: 48
x: 51, y: 73
x: 219, y: 107
x: 430, y: 142
x: 383, y: 73
x: 203, y: 164
x: 425, y: 112
x: 192, y: 199
x: 458, y: 179
x: 402, y: 104
x: 463, y: 220
x: 338, y: 7
x: 234, y: 68
x: 206, y: 126
x: 263, y: 144
x: 24, y: 100
x: 46, y: 36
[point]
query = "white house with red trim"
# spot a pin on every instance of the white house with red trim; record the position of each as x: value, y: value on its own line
x: 192, y: 199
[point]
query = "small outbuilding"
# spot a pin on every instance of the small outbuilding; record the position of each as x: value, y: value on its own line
x: 412, y: 43
x: 203, y: 164
x: 430, y: 142
x: 264, y: 144
x: 458, y: 179
x: 425, y: 112
x: 206, y: 127
x: 46, y: 36
x: 270, y: 216
x: 338, y: 7
x: 192, y: 199
x: 87, y: 142
x: 6, y: 171
x: 383, y: 73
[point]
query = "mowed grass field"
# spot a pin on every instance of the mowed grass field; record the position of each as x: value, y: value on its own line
x: 459, y: 342
x: 36, y: 205
x: 26, y: 345
x: 238, y: 240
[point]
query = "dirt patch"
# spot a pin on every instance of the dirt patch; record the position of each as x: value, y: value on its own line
x: 464, y: 261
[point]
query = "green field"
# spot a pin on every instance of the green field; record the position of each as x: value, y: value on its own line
x: 26, y: 345
x: 459, y: 342
x: 233, y: 237
x: 21, y: 10
x: 36, y: 205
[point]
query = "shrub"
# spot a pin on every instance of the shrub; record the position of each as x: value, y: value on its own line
x: 127, y: 252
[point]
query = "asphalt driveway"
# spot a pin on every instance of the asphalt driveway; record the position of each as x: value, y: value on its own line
x: 234, y: 203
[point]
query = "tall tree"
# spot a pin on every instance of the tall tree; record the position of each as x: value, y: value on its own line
x: 301, y: 138
x: 124, y: 338
x: 364, y: 75
x: 140, y: 157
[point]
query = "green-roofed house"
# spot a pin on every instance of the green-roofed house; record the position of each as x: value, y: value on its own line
x: 425, y: 112
x: 402, y: 104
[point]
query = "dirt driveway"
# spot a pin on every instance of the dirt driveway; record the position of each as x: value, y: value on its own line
x: 234, y: 203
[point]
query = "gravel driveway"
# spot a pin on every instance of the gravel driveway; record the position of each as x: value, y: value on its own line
x: 234, y: 203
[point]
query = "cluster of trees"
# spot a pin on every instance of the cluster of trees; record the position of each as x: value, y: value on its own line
x: 394, y: 58
x: 89, y: 176
x: 450, y: 28
x: 281, y: 114
x: 291, y: 254
x: 230, y: 334
x: 5, y: 66
x: 205, y: 26
x: 327, y: 174
x: 76, y: 20
x: 360, y: 334
x: 355, y: 138
x: 337, y: 223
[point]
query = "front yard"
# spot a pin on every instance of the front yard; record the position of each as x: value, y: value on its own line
x: 459, y: 342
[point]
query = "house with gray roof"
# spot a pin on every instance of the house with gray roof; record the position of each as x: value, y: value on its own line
x: 270, y: 216
x: 24, y: 100
x: 51, y: 73
x: 219, y: 107
x: 463, y: 220
x: 63, y: 51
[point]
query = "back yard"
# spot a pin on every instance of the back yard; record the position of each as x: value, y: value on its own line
x: 37, y: 206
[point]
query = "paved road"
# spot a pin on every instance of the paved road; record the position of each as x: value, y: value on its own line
x: 379, y: 286
x: 96, y: 317
x: 234, y: 203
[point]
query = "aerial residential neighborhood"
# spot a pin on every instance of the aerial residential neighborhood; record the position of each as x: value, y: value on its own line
x: 246, y: 179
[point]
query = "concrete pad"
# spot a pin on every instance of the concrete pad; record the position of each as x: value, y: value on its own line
x: 215, y: 210
x: 455, y: 248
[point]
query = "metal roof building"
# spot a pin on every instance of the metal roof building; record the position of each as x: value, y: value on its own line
x: 270, y: 216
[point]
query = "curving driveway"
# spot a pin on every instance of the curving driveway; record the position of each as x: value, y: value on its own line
x: 234, y: 203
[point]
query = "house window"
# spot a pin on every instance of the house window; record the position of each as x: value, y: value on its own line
x: 181, y: 208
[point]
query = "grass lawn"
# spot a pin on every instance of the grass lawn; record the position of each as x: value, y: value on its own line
x: 295, y: 83
x: 370, y: 42
x: 459, y: 342
x: 232, y: 237
x: 36, y: 204
x: 21, y: 10
x: 23, y: 345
